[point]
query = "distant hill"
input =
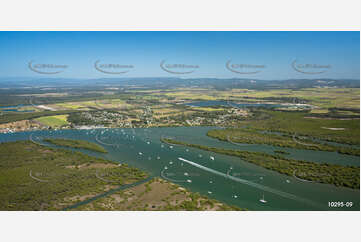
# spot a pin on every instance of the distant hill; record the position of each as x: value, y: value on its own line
x: 171, y: 82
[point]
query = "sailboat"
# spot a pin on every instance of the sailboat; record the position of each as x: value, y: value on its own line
x: 262, y: 199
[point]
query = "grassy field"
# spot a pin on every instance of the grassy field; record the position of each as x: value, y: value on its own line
x: 207, y: 109
x: 93, y: 104
x: 54, y: 121
x: 73, y: 105
x: 113, y: 103
x: 13, y: 117
x: 322, y: 98
x: 77, y: 144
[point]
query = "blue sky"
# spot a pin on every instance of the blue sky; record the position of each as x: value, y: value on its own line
x: 209, y: 50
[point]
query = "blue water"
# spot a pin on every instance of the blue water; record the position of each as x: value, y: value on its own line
x: 15, y: 108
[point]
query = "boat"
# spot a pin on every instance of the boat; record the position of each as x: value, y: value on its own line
x: 212, y: 158
x: 262, y: 199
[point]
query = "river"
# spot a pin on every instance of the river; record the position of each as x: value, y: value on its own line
x: 222, y: 177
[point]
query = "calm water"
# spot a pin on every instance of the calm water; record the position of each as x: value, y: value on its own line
x: 15, y: 108
x: 206, y: 172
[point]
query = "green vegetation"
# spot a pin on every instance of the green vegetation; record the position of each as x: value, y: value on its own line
x: 34, y: 177
x: 347, y: 176
x: 281, y: 152
x: 77, y: 144
x: 157, y: 195
x: 250, y: 136
x: 12, y: 117
x: 53, y: 121
x: 302, y: 124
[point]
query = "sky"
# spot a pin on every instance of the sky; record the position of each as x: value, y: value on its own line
x: 274, y: 53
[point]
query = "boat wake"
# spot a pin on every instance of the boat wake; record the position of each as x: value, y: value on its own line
x: 252, y: 184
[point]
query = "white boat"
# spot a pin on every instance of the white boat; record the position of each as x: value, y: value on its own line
x: 140, y: 153
x: 262, y: 199
x: 212, y: 158
x: 189, y: 181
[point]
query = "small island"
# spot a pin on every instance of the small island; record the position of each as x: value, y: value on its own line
x: 281, y: 152
x: 77, y: 144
